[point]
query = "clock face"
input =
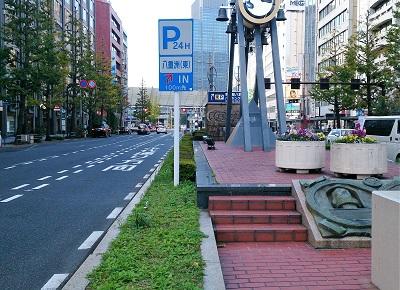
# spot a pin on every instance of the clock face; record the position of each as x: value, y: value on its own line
x: 258, y: 8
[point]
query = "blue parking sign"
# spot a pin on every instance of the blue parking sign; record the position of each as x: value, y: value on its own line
x: 175, y: 54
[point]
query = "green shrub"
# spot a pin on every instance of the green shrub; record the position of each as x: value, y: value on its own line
x: 198, y: 135
x: 187, y: 170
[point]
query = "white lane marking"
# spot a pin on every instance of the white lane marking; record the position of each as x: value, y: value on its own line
x: 76, y: 166
x: 11, y: 198
x: 65, y: 154
x: 44, y: 178
x: 41, y: 186
x: 90, y: 166
x: 43, y: 159
x: 130, y: 195
x: 62, y: 171
x: 26, y: 163
x: 115, y: 213
x: 10, y: 167
x: 19, y: 187
x: 82, y: 150
x: 55, y: 156
x: 100, y: 161
x: 89, y: 242
x: 139, y: 185
x: 54, y: 282
x: 80, y: 170
x: 74, y: 152
x: 62, y: 177
x: 87, y: 162
x: 146, y: 176
x: 156, y: 165
x: 151, y: 170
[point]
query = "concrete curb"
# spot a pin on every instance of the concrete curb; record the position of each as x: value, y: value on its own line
x: 78, y: 280
x: 213, y: 278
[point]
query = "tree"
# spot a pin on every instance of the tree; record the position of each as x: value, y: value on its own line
x: 142, y: 106
x: 51, y: 63
x: 154, y: 111
x: 391, y: 104
x: 20, y: 35
x: 366, y: 45
x: 341, y: 97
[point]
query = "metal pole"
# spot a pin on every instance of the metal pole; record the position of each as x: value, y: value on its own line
x: 278, y: 78
x: 261, y: 88
x: 230, y: 82
x: 176, y: 139
x: 243, y: 80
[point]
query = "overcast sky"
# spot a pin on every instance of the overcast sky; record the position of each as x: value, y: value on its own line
x: 140, y: 20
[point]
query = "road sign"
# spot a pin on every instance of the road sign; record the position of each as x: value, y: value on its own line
x: 222, y: 97
x: 83, y: 84
x: 91, y: 84
x: 176, y: 54
x: 56, y: 108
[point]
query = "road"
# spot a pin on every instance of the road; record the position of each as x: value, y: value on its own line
x: 57, y: 200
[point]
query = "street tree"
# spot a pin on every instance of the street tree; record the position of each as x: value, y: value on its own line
x: 337, y: 67
x: 391, y: 104
x: 21, y: 36
x: 142, y: 106
x: 154, y: 111
x: 52, y: 63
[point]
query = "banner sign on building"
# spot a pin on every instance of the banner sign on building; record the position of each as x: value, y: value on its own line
x: 222, y: 97
x: 175, y: 54
x: 295, y: 5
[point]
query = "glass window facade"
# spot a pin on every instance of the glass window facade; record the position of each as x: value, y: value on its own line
x: 210, y: 47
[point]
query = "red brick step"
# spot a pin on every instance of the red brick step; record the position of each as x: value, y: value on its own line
x: 251, y: 203
x: 260, y: 233
x: 255, y: 217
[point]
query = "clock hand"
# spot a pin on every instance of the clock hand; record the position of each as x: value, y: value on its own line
x: 249, y: 4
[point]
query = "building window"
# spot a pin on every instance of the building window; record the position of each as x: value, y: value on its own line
x: 58, y: 11
x: 333, y: 24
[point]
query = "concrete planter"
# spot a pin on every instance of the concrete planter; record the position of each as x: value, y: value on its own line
x: 359, y: 158
x: 301, y: 155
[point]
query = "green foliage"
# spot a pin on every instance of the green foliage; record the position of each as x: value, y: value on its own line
x: 187, y: 166
x: 159, y: 246
x: 198, y: 135
x: 142, y: 106
x: 154, y: 111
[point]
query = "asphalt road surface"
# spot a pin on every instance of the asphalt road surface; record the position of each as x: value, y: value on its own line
x: 57, y: 200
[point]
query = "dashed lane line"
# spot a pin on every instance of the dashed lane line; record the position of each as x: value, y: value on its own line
x: 77, y: 166
x: 62, y: 171
x: 41, y: 186
x: 90, y: 166
x: 44, y: 178
x: 115, y: 213
x: 130, y: 195
x: 91, y: 240
x: 10, y: 167
x: 62, y: 177
x: 146, y: 176
x: 152, y: 169
x: 19, y: 187
x: 11, y: 198
x: 139, y: 185
x: 80, y: 170
x: 55, y: 281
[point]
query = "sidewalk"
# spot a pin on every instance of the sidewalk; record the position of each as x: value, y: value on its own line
x: 279, y: 266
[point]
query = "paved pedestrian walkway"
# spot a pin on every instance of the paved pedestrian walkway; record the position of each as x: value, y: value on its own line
x: 233, y: 165
x: 294, y: 266
x: 279, y: 266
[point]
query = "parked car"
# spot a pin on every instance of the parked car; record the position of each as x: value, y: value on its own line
x: 334, y: 134
x: 143, y: 129
x: 385, y: 129
x: 161, y: 129
x: 101, y: 130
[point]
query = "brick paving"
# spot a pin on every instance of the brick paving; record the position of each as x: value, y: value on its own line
x: 294, y: 266
x: 283, y: 265
x: 233, y: 165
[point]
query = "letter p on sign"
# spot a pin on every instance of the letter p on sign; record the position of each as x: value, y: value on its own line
x: 170, y: 34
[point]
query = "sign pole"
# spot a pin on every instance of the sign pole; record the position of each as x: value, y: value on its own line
x: 176, y: 138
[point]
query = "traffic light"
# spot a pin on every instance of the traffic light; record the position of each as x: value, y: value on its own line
x: 324, y: 83
x: 355, y: 84
x: 295, y: 83
x: 267, y: 83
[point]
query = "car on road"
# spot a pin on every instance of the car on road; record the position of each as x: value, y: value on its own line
x: 161, y: 129
x: 143, y: 129
x: 102, y: 130
x: 335, y: 134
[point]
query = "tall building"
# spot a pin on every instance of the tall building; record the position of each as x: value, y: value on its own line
x: 112, y: 41
x: 381, y: 16
x: 211, y: 51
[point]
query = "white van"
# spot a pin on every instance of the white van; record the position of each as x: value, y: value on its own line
x: 385, y: 129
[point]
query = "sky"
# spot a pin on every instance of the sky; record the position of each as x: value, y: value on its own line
x: 140, y: 21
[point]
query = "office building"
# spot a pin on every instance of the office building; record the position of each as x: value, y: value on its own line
x: 211, y: 51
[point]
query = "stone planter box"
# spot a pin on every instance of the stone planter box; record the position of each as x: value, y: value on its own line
x: 360, y: 159
x: 300, y: 155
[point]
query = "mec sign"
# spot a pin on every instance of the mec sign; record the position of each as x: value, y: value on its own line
x: 295, y: 5
x: 176, y: 54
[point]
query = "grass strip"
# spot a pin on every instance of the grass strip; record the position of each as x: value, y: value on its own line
x: 159, y: 245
